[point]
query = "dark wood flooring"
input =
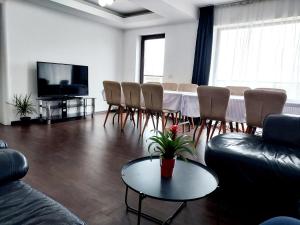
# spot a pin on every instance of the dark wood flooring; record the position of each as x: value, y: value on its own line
x: 78, y: 163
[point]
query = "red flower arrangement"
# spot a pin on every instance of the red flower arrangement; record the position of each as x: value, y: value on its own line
x: 169, y: 145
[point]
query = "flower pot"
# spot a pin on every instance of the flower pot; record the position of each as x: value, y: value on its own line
x: 166, y: 167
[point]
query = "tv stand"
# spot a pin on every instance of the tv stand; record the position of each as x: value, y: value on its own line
x: 65, y: 108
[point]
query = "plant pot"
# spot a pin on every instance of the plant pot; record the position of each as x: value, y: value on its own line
x: 25, y: 118
x: 166, y: 167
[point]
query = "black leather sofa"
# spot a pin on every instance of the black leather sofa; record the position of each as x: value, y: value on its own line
x: 20, y: 204
x: 267, y: 165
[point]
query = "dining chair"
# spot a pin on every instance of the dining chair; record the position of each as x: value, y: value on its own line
x: 213, y: 102
x: 187, y: 87
x: 112, y: 91
x: 259, y: 104
x: 170, y: 86
x: 132, y: 96
x: 153, y: 99
x: 271, y: 89
x: 237, y: 91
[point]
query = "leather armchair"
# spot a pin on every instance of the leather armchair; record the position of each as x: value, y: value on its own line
x: 264, y: 166
x: 20, y: 203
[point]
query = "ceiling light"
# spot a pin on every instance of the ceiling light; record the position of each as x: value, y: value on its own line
x: 105, y: 2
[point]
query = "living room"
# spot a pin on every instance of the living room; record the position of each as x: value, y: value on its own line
x: 217, y: 80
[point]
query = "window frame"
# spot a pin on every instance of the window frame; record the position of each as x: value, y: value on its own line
x: 142, y: 54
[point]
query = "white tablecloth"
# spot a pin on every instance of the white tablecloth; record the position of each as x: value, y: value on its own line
x: 236, y: 107
x: 187, y: 103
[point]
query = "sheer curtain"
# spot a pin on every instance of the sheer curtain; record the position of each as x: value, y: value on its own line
x: 257, y: 44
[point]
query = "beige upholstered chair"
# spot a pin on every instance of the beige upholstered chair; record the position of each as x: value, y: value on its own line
x: 112, y: 91
x: 132, y: 95
x: 271, y: 89
x: 261, y: 103
x: 153, y: 98
x: 170, y: 86
x: 238, y: 90
x: 213, y: 102
x: 186, y: 87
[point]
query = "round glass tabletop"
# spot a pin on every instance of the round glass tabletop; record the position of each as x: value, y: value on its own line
x: 190, y: 181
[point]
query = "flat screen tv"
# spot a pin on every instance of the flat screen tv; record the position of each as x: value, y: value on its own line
x: 58, y: 80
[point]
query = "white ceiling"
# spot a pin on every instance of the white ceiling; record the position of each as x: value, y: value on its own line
x: 127, y: 14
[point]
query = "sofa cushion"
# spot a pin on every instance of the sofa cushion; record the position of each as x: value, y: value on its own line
x: 21, y: 204
x: 13, y: 165
x: 284, y: 129
x: 247, y: 160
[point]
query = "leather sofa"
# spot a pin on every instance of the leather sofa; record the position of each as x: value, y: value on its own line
x: 20, y: 203
x: 267, y: 165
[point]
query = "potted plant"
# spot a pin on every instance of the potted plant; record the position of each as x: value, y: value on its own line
x: 170, y: 146
x: 23, y: 106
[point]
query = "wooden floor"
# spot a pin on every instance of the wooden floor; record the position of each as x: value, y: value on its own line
x: 78, y: 163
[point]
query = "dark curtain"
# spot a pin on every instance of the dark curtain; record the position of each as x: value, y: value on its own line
x: 203, y: 46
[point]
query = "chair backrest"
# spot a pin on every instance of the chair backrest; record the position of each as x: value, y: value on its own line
x: 153, y: 96
x: 132, y: 94
x: 238, y: 90
x: 213, y: 102
x: 271, y: 89
x: 186, y: 87
x: 112, y: 91
x: 170, y: 86
x: 261, y: 103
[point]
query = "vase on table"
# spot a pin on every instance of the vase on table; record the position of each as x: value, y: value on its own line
x: 167, y: 167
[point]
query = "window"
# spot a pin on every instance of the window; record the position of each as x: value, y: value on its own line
x: 260, y: 55
x: 152, y: 58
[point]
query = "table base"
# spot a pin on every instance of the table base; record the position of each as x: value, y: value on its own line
x: 147, y: 216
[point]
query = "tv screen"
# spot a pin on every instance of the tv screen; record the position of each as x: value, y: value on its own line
x: 56, y: 79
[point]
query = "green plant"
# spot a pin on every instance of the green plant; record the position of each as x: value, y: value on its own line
x: 169, y: 145
x: 23, y: 105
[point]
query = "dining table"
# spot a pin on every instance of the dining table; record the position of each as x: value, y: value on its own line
x: 188, y: 104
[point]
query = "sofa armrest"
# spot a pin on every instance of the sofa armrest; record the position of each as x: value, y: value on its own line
x: 282, y: 129
x: 13, y: 165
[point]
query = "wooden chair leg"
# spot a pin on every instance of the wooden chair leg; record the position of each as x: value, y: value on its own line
x: 231, y: 126
x: 243, y: 127
x: 214, y: 128
x: 132, y: 115
x: 140, y: 118
x: 248, y: 130
x: 126, y: 117
x: 236, y: 126
x: 157, y: 121
x: 224, y: 127
x: 119, y: 112
x: 208, y: 130
x: 108, y: 111
x: 163, y: 122
x: 200, y: 131
x: 152, y: 120
x: 146, y: 123
x: 173, y: 118
x: 121, y: 117
x: 193, y: 123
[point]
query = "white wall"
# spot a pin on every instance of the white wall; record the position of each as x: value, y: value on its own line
x: 36, y: 33
x: 179, y: 51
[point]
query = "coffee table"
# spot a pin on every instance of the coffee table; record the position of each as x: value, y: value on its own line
x: 190, y: 181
